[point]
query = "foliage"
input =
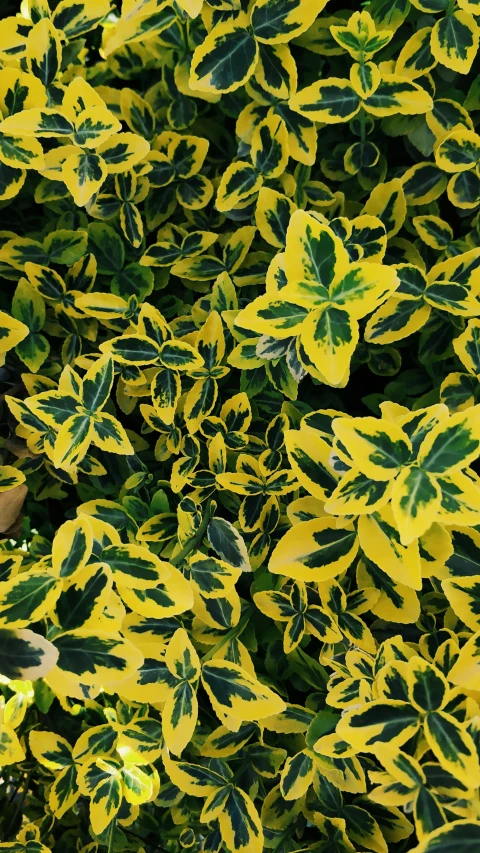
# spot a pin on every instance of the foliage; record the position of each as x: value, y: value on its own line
x: 240, y: 426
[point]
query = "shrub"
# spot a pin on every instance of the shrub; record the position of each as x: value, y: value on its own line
x: 239, y: 507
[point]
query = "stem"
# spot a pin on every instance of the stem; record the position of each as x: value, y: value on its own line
x: 20, y: 801
x: 184, y: 31
x: 12, y: 784
x: 111, y: 835
x: 283, y: 838
x: 194, y: 540
x: 233, y: 633
x: 363, y: 134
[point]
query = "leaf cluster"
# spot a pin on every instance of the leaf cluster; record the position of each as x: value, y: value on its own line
x: 240, y: 426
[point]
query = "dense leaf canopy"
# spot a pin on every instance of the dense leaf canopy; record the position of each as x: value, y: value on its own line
x: 239, y: 426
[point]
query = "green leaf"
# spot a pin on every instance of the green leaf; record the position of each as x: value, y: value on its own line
x: 27, y: 598
x: 90, y: 655
x: 212, y: 68
x: 65, y: 247
x: 460, y: 835
x: 83, y: 173
x: 48, y: 123
x: 84, y: 597
x: 452, y: 445
x: 314, y: 551
x: 297, y: 775
x: 228, y: 543
x: 427, y: 688
x: 25, y: 655
x: 378, y: 723
x: 323, y: 723
x: 333, y: 100
x: 452, y: 746
x: 134, y: 566
x: 133, y: 349
x: 454, y: 41
x: 235, y: 692
x: 107, y: 247
x: 282, y: 20
x: 77, y: 19
x: 44, y: 52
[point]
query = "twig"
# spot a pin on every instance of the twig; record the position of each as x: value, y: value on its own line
x: 191, y: 543
x: 20, y: 801
x: 230, y: 635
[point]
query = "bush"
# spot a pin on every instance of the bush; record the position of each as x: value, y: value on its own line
x: 239, y: 509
